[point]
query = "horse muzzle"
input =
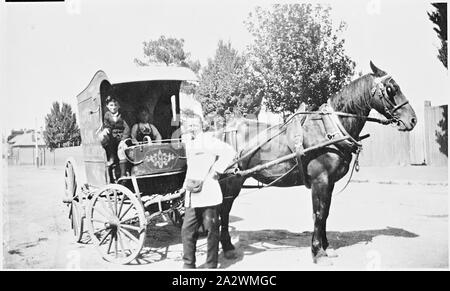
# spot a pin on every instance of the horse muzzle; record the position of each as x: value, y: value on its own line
x: 405, y: 125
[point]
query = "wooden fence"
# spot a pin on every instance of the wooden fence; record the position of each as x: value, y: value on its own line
x: 389, y: 147
x: 433, y: 115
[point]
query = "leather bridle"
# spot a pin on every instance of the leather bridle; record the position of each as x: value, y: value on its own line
x: 380, y: 88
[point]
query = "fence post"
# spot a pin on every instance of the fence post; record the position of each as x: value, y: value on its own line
x: 427, y: 113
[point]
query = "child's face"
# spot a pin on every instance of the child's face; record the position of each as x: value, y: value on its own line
x: 113, y: 107
x: 143, y: 116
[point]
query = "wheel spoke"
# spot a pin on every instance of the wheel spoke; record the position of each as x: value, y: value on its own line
x: 126, y: 211
x: 115, y: 203
x: 104, y: 238
x: 110, y: 243
x: 121, y: 205
x: 75, y: 217
x: 99, y: 221
x: 129, y: 235
x: 100, y: 230
x: 135, y: 228
x: 105, y: 208
x: 110, y: 206
x: 129, y: 219
x: 115, y: 246
x: 119, y: 237
x: 100, y: 212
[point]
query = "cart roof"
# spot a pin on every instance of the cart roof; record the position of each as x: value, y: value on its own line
x: 149, y: 73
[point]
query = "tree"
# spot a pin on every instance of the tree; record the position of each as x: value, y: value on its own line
x: 297, y: 55
x: 442, y: 136
x: 169, y: 51
x: 439, y: 18
x: 61, y: 127
x: 226, y: 85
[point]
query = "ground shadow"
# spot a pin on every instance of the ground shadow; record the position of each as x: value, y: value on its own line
x: 162, y: 241
x: 160, y: 237
x: 253, y: 242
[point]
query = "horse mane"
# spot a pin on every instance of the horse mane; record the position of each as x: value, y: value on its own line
x: 355, y: 97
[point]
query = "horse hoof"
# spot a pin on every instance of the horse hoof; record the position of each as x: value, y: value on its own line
x: 321, y: 258
x: 230, y: 255
x: 322, y: 261
x: 331, y: 253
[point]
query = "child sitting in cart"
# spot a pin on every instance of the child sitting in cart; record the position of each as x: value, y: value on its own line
x: 115, y: 132
x: 144, y: 130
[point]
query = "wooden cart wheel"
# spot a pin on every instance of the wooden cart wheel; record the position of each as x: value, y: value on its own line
x: 117, y: 223
x: 70, y: 182
x: 77, y: 220
x: 71, y: 197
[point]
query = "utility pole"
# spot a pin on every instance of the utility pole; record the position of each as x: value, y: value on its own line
x: 36, y: 142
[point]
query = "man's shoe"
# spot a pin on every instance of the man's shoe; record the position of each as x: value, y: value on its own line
x: 187, y: 266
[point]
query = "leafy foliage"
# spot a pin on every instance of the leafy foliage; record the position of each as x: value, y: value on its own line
x: 297, y: 55
x: 442, y: 137
x: 226, y: 85
x: 61, y: 127
x: 169, y: 51
x: 439, y: 18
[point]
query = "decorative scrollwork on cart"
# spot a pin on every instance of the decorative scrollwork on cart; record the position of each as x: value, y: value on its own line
x: 160, y: 159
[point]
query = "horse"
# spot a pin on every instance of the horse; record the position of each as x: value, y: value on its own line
x: 320, y: 169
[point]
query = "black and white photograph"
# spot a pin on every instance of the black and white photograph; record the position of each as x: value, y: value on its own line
x: 251, y: 135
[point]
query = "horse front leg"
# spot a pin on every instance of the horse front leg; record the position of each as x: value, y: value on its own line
x: 325, y: 244
x: 321, y: 200
x: 225, y: 238
x: 231, y: 187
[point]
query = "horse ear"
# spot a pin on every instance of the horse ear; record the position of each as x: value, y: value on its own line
x: 377, y: 72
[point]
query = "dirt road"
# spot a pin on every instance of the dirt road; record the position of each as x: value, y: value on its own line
x: 371, y: 226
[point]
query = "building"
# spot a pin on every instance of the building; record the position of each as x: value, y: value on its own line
x: 22, y: 149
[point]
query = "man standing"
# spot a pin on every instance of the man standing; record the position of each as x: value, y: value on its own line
x: 207, y: 157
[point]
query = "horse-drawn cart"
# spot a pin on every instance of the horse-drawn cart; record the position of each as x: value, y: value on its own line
x: 117, y: 215
x: 115, y: 211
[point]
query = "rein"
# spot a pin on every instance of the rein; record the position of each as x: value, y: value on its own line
x: 344, y: 114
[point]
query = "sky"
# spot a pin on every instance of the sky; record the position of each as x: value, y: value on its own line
x: 50, y: 51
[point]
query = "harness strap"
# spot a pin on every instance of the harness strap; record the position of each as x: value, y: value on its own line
x: 355, y: 167
x: 340, y: 126
x: 344, y: 114
x: 265, y: 186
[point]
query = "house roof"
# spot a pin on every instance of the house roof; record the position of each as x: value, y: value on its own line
x: 27, y: 139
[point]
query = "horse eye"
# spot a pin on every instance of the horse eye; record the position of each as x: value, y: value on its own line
x: 390, y: 91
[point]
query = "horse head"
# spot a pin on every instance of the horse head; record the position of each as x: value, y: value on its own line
x: 389, y: 100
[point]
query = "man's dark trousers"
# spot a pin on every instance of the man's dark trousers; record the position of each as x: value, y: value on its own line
x: 193, y: 218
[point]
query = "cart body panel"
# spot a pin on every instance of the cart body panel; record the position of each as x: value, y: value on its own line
x: 90, y: 120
